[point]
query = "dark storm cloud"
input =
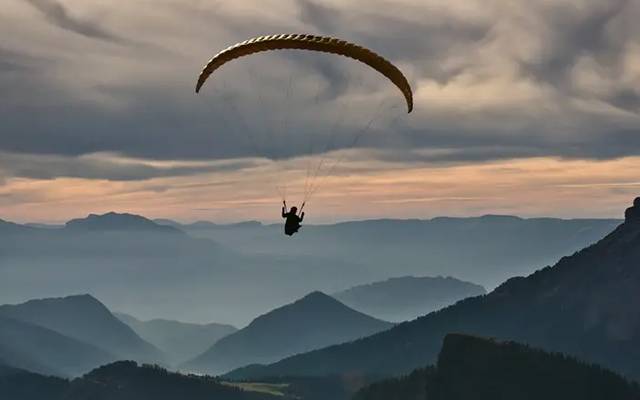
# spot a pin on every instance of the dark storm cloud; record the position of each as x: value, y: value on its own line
x: 19, y: 81
x: 57, y: 14
x: 425, y: 43
x: 627, y: 99
x: 574, y: 35
x: 600, y: 32
x: 52, y: 167
x: 325, y: 19
x: 336, y: 79
x: 11, y: 61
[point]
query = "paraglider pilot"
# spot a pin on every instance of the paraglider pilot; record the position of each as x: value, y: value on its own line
x: 292, y: 224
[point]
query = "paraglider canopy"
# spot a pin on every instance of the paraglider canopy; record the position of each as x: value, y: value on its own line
x: 313, y: 43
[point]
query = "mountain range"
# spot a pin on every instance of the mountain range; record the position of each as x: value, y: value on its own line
x: 136, y: 264
x: 583, y: 309
x: 584, y: 306
x: 315, y: 321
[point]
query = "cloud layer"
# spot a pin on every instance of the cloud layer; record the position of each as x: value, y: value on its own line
x: 494, y: 80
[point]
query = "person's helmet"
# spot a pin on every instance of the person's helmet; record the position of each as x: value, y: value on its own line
x: 294, y: 209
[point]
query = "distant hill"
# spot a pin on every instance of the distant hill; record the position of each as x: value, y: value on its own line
x: 585, y: 306
x: 123, y: 380
x: 118, y: 222
x: 34, y: 348
x: 180, y: 341
x: 315, y: 321
x: 85, y: 319
x: 405, y: 298
x: 475, y: 368
x: 112, y: 234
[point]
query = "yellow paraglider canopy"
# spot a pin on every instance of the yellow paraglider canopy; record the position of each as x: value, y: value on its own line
x: 312, y: 43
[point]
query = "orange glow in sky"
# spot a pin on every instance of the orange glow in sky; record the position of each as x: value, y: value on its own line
x: 524, y: 187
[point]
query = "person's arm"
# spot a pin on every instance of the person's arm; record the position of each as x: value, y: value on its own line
x: 301, y: 216
x: 284, y: 209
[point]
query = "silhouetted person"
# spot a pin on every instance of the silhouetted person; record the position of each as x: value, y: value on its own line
x: 292, y: 224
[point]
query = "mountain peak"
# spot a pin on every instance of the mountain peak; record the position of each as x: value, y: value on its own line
x: 113, y: 221
x: 313, y: 304
x: 317, y: 303
x: 632, y: 215
x: 72, y: 300
x: 316, y: 296
x: 312, y: 322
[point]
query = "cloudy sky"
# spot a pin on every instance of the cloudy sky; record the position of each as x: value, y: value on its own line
x: 522, y: 107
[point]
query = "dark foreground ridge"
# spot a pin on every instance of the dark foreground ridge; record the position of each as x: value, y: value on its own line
x: 123, y: 380
x: 482, y: 369
x: 468, y: 368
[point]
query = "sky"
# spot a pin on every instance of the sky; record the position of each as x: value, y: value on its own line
x: 529, y: 108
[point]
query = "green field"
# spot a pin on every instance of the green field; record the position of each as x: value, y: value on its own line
x: 276, y: 389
